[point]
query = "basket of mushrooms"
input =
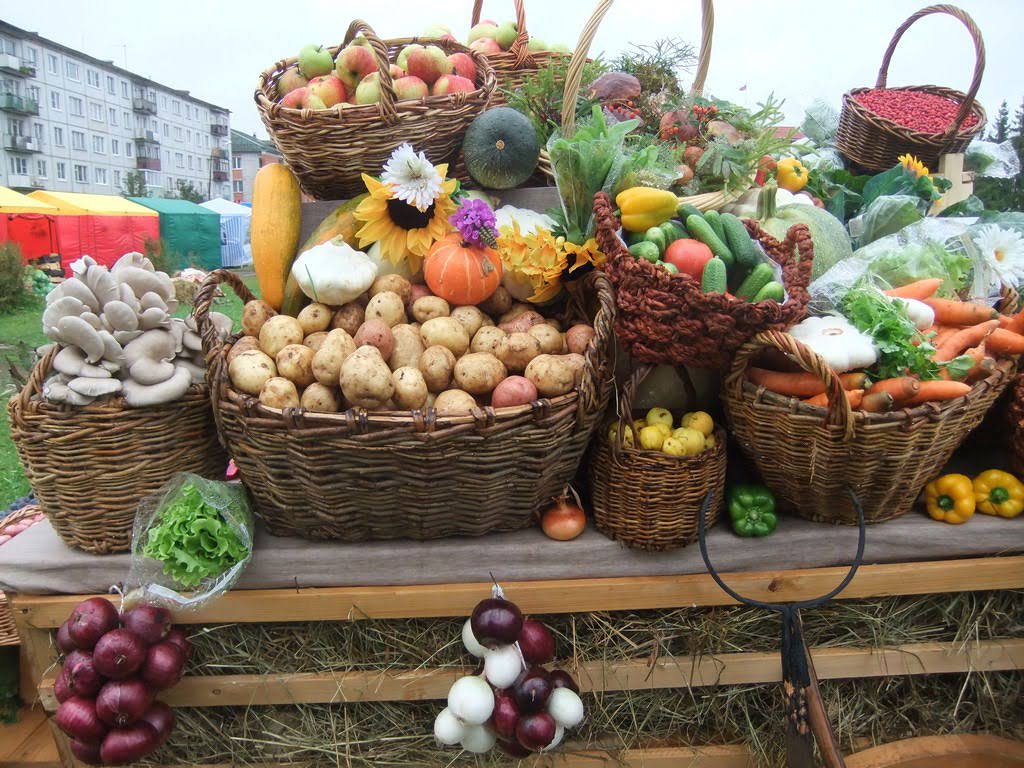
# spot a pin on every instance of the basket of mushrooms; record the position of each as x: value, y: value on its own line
x: 116, y: 405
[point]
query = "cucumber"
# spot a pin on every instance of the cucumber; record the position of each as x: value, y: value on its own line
x: 758, y: 278
x: 632, y: 238
x: 646, y: 250
x: 702, y: 231
x: 657, y: 236
x: 713, y: 279
x: 673, y: 231
x: 672, y: 269
x: 714, y: 218
x: 773, y: 291
x: 686, y: 210
x: 739, y: 242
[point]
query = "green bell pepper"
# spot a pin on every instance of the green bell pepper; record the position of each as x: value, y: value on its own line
x: 752, y: 510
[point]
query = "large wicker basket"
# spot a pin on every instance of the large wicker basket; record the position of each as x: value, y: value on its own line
x: 664, y: 318
x: 875, y: 142
x: 90, y: 466
x: 330, y: 149
x: 809, y: 455
x: 361, y: 475
x: 8, y: 629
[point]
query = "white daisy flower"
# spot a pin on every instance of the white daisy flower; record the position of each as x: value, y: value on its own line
x: 1003, y: 251
x: 412, y: 177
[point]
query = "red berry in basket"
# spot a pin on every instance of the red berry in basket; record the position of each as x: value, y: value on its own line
x: 918, y: 110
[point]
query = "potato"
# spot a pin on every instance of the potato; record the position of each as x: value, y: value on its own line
x: 454, y: 401
x: 437, y: 365
x: 446, y: 332
x: 314, y: 340
x: 554, y: 322
x: 410, y: 388
x: 515, y: 390
x: 521, y: 323
x: 320, y: 399
x: 334, y: 351
x: 279, y: 392
x: 490, y: 339
x: 348, y: 316
x: 498, y: 303
x: 315, y: 317
x: 244, y: 344
x: 576, y: 362
x: 394, y: 284
x: 295, y: 363
x: 376, y: 333
x: 408, y: 347
x: 387, y: 306
x: 429, y: 307
x: 553, y: 375
x: 471, y: 319
x: 278, y: 332
x: 578, y: 338
x: 251, y: 370
x: 254, y: 314
x: 416, y: 292
x: 478, y: 373
x: 366, y: 379
x: 514, y: 311
x: 520, y: 349
x: 488, y: 322
x: 550, y: 339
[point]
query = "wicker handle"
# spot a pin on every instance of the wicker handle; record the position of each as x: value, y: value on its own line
x: 707, y: 31
x: 380, y: 52
x: 604, y: 319
x: 839, y: 412
x: 519, y: 45
x: 203, y: 303
x: 979, y: 52
x: 574, y: 74
x: 625, y: 404
x: 38, y: 376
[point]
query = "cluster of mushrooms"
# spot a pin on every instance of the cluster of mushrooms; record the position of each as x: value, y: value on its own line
x: 117, y: 336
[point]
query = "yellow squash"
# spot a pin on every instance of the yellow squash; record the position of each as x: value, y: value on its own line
x: 276, y: 222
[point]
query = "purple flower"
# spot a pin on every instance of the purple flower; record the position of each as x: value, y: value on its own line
x: 476, y: 223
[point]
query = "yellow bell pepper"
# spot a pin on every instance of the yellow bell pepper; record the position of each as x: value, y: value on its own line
x: 998, y: 493
x: 792, y: 176
x: 643, y: 207
x: 950, y: 498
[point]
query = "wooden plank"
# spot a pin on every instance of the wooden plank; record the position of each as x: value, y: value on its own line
x: 37, y: 751
x: 569, y: 596
x: 625, y: 675
x: 14, y: 735
x: 950, y: 751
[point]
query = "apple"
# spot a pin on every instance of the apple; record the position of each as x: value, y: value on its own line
x: 483, y: 29
x: 302, y: 98
x: 403, y: 55
x: 359, y: 41
x: 536, y: 44
x: 506, y: 34
x: 437, y: 30
x: 410, y: 87
x: 463, y: 65
x: 485, y: 45
x: 353, y: 64
x: 452, y: 84
x: 368, y: 90
x: 291, y: 80
x: 449, y: 37
x: 428, y: 64
x: 396, y: 71
x: 315, y: 60
x: 329, y: 88
x: 561, y: 48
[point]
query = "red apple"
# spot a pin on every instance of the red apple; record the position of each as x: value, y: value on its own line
x: 329, y: 88
x: 402, y: 59
x: 452, y: 84
x: 396, y: 72
x: 485, y: 45
x: 410, y: 87
x: 428, y: 64
x: 291, y: 80
x: 353, y: 64
x: 302, y: 98
x: 463, y: 66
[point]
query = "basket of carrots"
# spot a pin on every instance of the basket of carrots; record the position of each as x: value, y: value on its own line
x: 874, y: 401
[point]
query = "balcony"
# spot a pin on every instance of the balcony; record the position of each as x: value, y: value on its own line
x: 220, y: 175
x: 144, y: 106
x: 10, y: 102
x: 148, y: 163
x: 22, y: 143
x: 13, y: 65
x: 147, y: 137
x: 219, y: 128
x: 218, y: 152
x: 19, y: 181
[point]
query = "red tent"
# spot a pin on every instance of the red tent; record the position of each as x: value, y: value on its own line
x: 30, y: 223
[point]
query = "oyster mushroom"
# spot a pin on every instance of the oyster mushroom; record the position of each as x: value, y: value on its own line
x: 94, y: 387
x: 154, y: 317
x: 76, y: 331
x: 120, y: 316
x: 58, y: 392
x: 142, y: 281
x: 75, y: 289
x: 132, y: 259
x: 71, y: 362
x: 148, y: 357
x: 138, y: 395
x: 67, y: 306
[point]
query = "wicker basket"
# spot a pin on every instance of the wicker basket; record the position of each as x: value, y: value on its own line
x: 875, y: 142
x: 361, y: 475
x: 664, y: 318
x: 647, y: 499
x: 8, y: 629
x: 90, y: 466
x: 329, y: 149
x: 809, y: 455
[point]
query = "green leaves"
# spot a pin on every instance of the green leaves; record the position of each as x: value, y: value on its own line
x: 893, y: 333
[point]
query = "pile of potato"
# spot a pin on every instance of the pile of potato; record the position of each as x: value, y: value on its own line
x: 399, y: 348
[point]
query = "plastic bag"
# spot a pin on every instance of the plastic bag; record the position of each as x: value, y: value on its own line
x: 202, y: 532
x: 886, y: 216
x: 821, y: 121
x: 992, y: 159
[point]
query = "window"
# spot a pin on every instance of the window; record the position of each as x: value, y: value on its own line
x: 55, y: 101
x: 62, y: 171
x: 188, y: 111
x: 124, y: 89
x: 115, y: 147
x: 191, y: 163
x: 41, y: 168
x: 113, y: 116
x: 167, y: 130
x: 93, y: 77
x: 129, y: 149
x: 163, y: 102
x: 31, y: 55
x: 15, y: 127
x: 77, y: 140
x: 236, y: 186
x: 188, y: 137
x: 111, y: 89
x: 38, y: 130
x: 199, y: 163
x: 33, y: 93
x: 207, y: 142
x: 75, y: 106
x: 100, y: 175
x: 52, y: 64
x: 127, y: 119
x: 167, y: 157
x: 236, y: 162
x: 6, y: 46
x: 176, y: 107
x: 179, y: 160
x: 99, y: 145
x: 9, y: 86
x: 73, y: 71
x: 58, y: 136
x: 82, y: 174
x: 95, y: 111
x: 152, y: 178
x: 178, y: 133
x: 19, y: 166
x: 169, y: 183
x: 117, y: 177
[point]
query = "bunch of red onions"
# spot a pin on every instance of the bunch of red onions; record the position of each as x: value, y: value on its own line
x: 515, y: 703
x: 113, y: 666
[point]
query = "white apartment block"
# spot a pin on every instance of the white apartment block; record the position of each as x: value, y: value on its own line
x: 74, y: 123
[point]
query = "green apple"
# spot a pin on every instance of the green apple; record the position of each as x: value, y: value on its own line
x: 359, y: 41
x: 437, y: 30
x: 483, y: 29
x: 368, y: 90
x: 561, y: 48
x: 536, y: 44
x: 506, y: 34
x: 403, y: 55
x: 314, y: 61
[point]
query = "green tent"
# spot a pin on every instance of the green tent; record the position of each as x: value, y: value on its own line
x: 189, y: 230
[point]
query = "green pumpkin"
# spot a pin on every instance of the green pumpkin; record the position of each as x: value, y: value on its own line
x: 501, y: 148
x: 831, y: 242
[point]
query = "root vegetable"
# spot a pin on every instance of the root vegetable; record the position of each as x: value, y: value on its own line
x: 119, y: 654
x: 164, y: 666
x: 279, y: 392
x: 454, y: 401
x: 563, y: 521
x: 522, y: 322
x: 327, y: 360
x: 348, y: 317
x: 410, y: 388
x: 365, y: 378
x: 498, y: 303
x: 502, y: 666
x: 437, y: 364
x: 549, y: 337
x: 478, y: 373
x: 553, y: 375
x: 578, y: 338
x: 387, y: 306
x: 513, y: 391
x: 78, y: 719
x: 376, y: 333
x: 250, y: 370
x: 448, y: 729
x: 446, y: 332
x: 429, y: 307
x: 315, y: 317
x: 577, y: 363
x: 254, y: 314
x: 521, y: 349
x: 129, y: 744
x: 123, y: 702
x: 278, y: 332
x: 536, y: 642
x: 315, y: 340
x: 244, y: 344
x: 471, y: 318
x: 408, y: 347
x: 80, y: 674
x: 471, y: 700
x: 295, y: 362
x: 90, y: 620
x: 394, y: 284
x: 149, y: 622
x: 320, y: 399
x: 514, y: 311
x: 490, y: 339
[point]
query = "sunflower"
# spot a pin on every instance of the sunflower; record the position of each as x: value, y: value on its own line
x: 913, y: 166
x: 539, y: 259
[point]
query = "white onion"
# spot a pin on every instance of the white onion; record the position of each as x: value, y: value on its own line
x: 559, y: 733
x: 448, y: 729
x: 566, y: 707
x: 502, y: 666
x: 470, y: 642
x: 478, y: 739
x: 471, y: 700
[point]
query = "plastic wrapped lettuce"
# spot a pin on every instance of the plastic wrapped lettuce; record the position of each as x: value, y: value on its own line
x: 992, y: 159
x: 821, y: 121
x: 885, y: 216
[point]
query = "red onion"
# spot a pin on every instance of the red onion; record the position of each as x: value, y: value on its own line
x: 78, y: 719
x: 81, y: 675
x: 148, y: 622
x: 122, y: 702
x: 179, y: 637
x: 496, y: 621
x: 534, y: 731
x: 561, y: 679
x: 505, y: 716
x: 119, y: 654
x: 161, y: 717
x: 64, y: 641
x: 126, y: 745
x: 532, y: 690
x: 536, y: 642
x: 60, y: 688
x: 513, y: 748
x: 90, y: 620
x: 164, y: 665
x: 87, y: 753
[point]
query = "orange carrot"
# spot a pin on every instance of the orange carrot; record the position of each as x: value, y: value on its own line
x: 854, y: 396
x: 1013, y: 323
x: 901, y: 388
x: 942, y: 332
x: 962, y: 313
x: 920, y: 290
x: 802, y: 385
x: 1004, y: 342
x: 970, y: 336
x: 937, y: 390
x: 877, y: 402
x: 854, y: 380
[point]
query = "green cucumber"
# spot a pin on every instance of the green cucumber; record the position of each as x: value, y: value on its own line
x: 713, y: 278
x: 672, y: 269
x: 714, y: 218
x: 702, y: 231
x: 632, y: 238
x: 739, y: 242
x: 686, y: 210
x: 673, y: 231
x: 657, y: 236
x: 771, y: 291
x: 758, y: 278
x: 646, y: 250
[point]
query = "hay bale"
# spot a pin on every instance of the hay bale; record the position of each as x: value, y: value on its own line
x: 184, y: 290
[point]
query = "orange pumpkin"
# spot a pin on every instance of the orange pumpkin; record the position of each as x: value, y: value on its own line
x: 461, y: 273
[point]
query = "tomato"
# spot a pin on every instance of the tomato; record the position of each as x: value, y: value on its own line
x: 689, y: 257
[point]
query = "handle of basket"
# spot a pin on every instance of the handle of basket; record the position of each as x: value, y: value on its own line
x: 204, y: 302
x: 592, y: 382
x: 380, y: 52
x: 624, y: 404
x: 839, y: 412
x: 574, y: 74
x: 519, y: 45
x: 37, y: 377
x: 979, y: 51
x: 707, y: 31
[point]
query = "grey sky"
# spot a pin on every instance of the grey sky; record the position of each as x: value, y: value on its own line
x: 800, y: 49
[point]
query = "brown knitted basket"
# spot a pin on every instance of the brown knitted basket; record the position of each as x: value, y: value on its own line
x: 361, y: 475
x: 8, y: 629
x: 330, y: 149
x: 648, y: 499
x: 90, y: 466
x: 875, y: 142
x: 664, y: 318
x: 809, y: 455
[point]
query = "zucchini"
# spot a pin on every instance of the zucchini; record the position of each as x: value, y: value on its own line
x: 758, y: 278
x: 702, y: 231
x: 685, y: 211
x: 713, y: 279
x: 739, y: 242
x: 772, y: 291
x: 646, y: 250
x: 714, y: 218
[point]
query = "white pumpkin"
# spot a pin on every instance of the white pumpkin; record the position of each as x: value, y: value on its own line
x: 837, y: 342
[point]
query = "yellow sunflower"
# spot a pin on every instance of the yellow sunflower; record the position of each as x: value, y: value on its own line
x: 913, y: 166
x: 540, y: 259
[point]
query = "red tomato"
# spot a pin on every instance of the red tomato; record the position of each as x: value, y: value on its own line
x: 689, y: 257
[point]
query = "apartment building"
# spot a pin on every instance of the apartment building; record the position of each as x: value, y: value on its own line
x: 248, y: 155
x: 74, y: 123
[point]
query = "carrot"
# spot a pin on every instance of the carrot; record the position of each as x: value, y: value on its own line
x: 877, y: 402
x: 854, y: 396
x: 901, y: 388
x: 920, y: 289
x: 970, y: 336
x: 1013, y: 323
x: 962, y: 313
x: 942, y: 332
x: 802, y: 385
x: 937, y: 390
x: 854, y: 380
x: 1004, y: 342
